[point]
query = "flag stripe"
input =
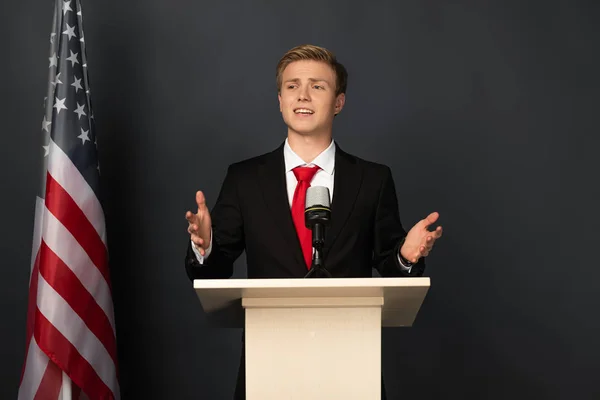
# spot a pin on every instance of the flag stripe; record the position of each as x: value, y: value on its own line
x: 40, y: 208
x: 52, y: 341
x: 60, y: 314
x: 68, y: 176
x: 31, y: 310
x: 66, y: 284
x: 76, y: 392
x: 51, y: 383
x: 64, y: 245
x: 35, y: 365
x: 62, y: 206
x: 66, y: 389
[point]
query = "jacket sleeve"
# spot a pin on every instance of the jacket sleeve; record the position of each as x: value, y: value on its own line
x: 389, y: 234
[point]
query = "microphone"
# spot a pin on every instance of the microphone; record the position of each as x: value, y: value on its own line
x: 317, y: 216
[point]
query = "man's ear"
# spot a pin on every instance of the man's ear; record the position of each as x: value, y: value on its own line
x: 340, y: 100
x: 279, y: 98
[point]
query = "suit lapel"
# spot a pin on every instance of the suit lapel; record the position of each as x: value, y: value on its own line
x: 271, y: 174
x: 347, y: 182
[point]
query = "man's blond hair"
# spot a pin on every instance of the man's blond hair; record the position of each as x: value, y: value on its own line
x: 316, y: 53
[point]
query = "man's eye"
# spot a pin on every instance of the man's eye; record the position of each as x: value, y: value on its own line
x: 318, y: 87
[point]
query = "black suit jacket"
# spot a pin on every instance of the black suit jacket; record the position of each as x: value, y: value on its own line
x: 252, y: 213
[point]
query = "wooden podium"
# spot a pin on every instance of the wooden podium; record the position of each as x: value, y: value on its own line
x: 312, y: 338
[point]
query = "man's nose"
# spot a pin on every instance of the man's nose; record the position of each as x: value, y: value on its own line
x: 304, y: 95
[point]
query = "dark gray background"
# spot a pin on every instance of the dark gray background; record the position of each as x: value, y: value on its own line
x: 486, y: 112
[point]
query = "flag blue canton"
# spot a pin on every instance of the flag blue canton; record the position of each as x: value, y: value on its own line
x: 69, y: 120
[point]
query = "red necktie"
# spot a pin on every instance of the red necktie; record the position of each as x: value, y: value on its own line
x: 304, y: 175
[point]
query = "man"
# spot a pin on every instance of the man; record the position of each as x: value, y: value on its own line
x: 261, y: 203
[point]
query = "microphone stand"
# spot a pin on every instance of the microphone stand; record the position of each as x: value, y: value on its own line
x: 317, y: 268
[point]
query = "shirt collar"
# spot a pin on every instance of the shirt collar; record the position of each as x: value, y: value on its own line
x: 325, y: 160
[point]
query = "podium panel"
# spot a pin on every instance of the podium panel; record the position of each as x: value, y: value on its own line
x: 325, y: 348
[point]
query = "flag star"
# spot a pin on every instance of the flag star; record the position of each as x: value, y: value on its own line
x: 66, y: 7
x: 52, y: 36
x: 53, y: 60
x: 60, y: 105
x: 57, y: 81
x: 70, y: 31
x: 79, y: 13
x: 82, y: 40
x: 73, y: 58
x: 80, y: 111
x: 77, y: 84
x: 84, y: 136
x: 46, y: 124
x: 46, y: 150
x: 85, y: 65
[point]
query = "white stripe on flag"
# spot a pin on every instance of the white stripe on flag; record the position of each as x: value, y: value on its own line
x: 60, y: 314
x: 35, y: 366
x: 38, y: 222
x: 66, y: 390
x: 67, y: 248
x: 68, y: 176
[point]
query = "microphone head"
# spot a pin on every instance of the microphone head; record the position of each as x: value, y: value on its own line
x: 317, y: 196
x: 317, y: 208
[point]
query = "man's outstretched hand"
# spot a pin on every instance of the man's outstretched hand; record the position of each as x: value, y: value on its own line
x: 199, y: 226
x: 419, y: 240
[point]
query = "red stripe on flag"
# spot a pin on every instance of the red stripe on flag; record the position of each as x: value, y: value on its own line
x: 69, y: 287
x: 62, y: 206
x: 75, y: 391
x: 31, y: 308
x: 65, y: 355
x: 51, y: 383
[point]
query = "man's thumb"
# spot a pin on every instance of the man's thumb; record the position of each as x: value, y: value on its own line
x: 200, y: 199
x: 431, y: 218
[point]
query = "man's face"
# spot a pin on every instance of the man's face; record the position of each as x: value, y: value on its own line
x: 307, y: 100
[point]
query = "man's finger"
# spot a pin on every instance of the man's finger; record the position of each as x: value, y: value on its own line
x: 430, y: 219
x: 197, y: 241
x: 200, y: 199
x: 200, y: 250
x: 192, y: 228
x: 189, y: 216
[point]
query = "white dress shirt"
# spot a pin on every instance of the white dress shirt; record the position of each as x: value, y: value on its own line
x: 323, y: 177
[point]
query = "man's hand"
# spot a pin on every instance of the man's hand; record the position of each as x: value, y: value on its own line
x: 199, y: 226
x: 419, y: 240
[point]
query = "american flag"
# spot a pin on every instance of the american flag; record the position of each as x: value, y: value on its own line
x: 71, y: 348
